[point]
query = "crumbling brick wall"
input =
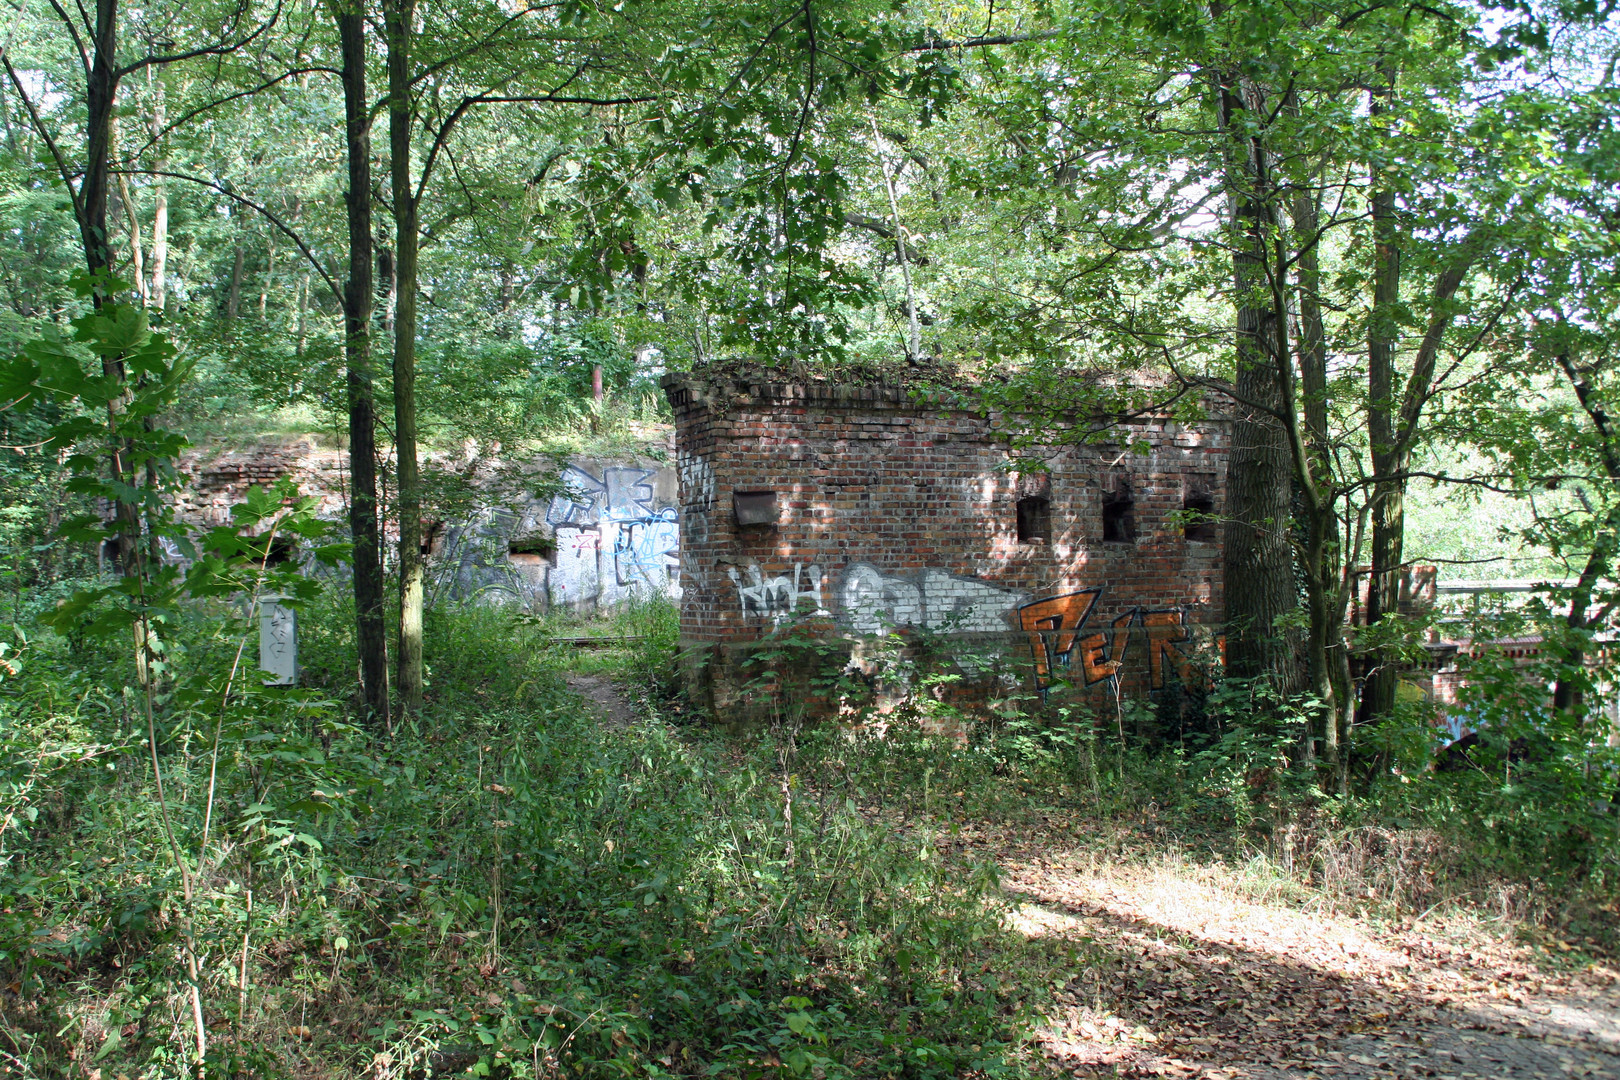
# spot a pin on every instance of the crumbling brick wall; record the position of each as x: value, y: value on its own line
x: 873, y: 510
x: 609, y: 533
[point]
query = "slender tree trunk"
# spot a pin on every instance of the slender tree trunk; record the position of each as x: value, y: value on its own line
x: 1567, y: 693
x: 399, y: 16
x: 158, y: 295
x: 370, y: 634
x: 137, y: 254
x: 269, y: 278
x: 387, y: 285
x: 1389, y: 494
x: 101, y: 98
x: 101, y: 94
x: 233, y: 296
x: 303, y: 312
x: 1328, y: 659
x: 914, y: 336
x: 1258, y: 562
x: 159, y: 292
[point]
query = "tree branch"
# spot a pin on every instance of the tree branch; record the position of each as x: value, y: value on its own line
x: 78, y: 42
x: 199, y: 110
x: 281, y: 226
x: 882, y: 228
x: 937, y: 45
x: 222, y: 49
x: 50, y: 143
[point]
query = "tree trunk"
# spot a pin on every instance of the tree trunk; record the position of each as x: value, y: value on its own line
x: 303, y: 313
x: 233, y: 297
x: 370, y: 635
x: 1258, y: 564
x: 270, y: 269
x: 1327, y: 658
x: 1567, y: 694
x: 398, y: 16
x: 1389, y: 495
x: 101, y: 97
x: 137, y: 255
x: 158, y: 295
x: 101, y: 94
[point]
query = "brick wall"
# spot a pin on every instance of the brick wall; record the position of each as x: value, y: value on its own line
x: 894, y: 512
x: 610, y: 534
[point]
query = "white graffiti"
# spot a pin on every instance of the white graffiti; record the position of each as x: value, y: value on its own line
x: 605, y: 537
x: 613, y: 517
x: 278, y: 642
x: 874, y: 602
x: 779, y: 597
x: 696, y: 477
x: 643, y: 547
x: 697, y: 481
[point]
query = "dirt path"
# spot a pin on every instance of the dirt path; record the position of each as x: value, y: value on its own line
x: 1179, y: 973
x: 603, y: 698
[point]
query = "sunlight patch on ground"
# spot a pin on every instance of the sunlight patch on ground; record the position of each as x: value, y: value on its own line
x: 1190, y: 901
x: 1178, y: 969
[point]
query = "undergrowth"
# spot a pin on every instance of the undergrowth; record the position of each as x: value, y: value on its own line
x: 500, y: 886
x: 504, y: 887
x: 1522, y: 828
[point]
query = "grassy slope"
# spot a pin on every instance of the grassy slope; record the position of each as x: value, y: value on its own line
x: 503, y: 879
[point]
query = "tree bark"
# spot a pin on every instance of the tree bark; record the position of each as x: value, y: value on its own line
x: 1389, y: 495
x: 370, y: 635
x: 398, y: 19
x: 1326, y: 573
x: 1567, y: 693
x: 270, y: 270
x: 303, y: 313
x: 233, y: 297
x: 137, y: 255
x: 158, y: 294
x: 1258, y: 563
x: 101, y: 97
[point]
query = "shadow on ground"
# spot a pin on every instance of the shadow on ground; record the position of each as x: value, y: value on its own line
x: 1151, y: 999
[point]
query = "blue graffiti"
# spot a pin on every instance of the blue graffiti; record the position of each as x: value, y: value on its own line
x: 645, y: 548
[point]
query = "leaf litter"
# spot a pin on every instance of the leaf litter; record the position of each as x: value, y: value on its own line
x: 1174, y: 969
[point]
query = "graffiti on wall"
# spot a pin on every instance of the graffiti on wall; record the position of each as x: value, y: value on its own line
x: 475, y: 562
x: 696, y: 478
x: 1052, y: 624
x: 1055, y: 627
x: 1064, y: 643
x: 938, y: 600
x: 608, y: 535
x: 611, y: 539
x: 778, y: 597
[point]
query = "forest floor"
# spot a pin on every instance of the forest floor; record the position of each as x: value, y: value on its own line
x: 1175, y: 966
x: 1190, y: 970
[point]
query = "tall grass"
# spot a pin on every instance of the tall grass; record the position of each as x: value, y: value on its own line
x: 501, y: 882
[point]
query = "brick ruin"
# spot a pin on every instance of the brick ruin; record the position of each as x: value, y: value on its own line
x: 609, y: 534
x: 873, y: 510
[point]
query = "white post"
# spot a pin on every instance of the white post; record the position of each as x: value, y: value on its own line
x: 278, y: 642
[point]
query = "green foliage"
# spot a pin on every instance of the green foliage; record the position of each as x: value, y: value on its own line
x: 504, y: 881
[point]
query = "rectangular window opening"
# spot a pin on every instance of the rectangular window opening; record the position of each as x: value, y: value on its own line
x: 754, y: 507
x: 1199, y: 529
x: 433, y: 538
x: 531, y: 550
x: 1119, y: 515
x: 1034, y: 519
